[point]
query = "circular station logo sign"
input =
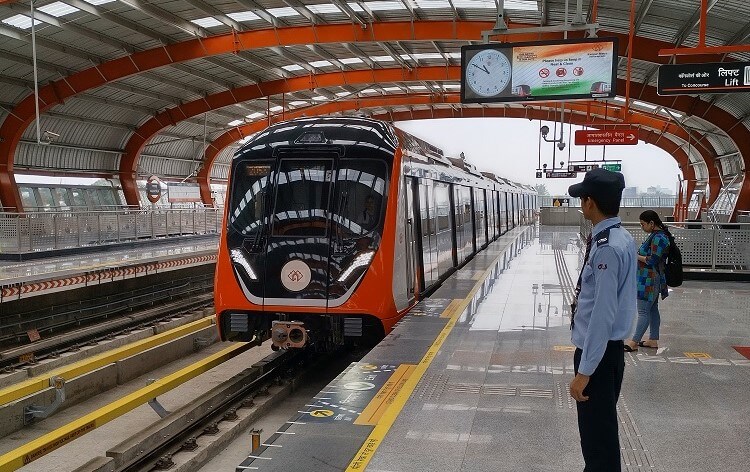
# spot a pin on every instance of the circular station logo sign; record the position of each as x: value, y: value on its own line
x: 295, y: 275
x: 153, y: 189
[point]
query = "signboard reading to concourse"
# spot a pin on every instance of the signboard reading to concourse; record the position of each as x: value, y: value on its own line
x: 581, y: 167
x: 716, y: 77
x: 542, y: 70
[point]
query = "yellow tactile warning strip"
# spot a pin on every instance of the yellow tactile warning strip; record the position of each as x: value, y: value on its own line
x: 564, y: 348
x: 59, y: 437
x: 450, y: 309
x: 698, y: 355
x: 391, y: 412
x: 385, y: 396
x: 40, y: 383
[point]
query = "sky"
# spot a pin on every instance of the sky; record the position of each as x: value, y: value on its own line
x: 509, y: 147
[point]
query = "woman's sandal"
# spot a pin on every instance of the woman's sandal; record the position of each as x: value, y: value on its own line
x: 643, y: 344
x: 630, y: 349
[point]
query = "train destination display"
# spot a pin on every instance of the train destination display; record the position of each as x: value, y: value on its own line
x: 544, y: 70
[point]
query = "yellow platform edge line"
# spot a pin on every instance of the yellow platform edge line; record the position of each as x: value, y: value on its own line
x: 42, y: 381
x: 374, y: 410
x: 49, y: 442
x: 373, y: 441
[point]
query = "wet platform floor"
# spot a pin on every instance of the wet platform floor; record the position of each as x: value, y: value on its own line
x: 495, y: 395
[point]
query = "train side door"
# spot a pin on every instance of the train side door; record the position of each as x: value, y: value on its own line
x: 413, y: 251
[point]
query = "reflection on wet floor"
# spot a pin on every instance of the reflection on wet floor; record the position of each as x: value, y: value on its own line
x: 519, y: 294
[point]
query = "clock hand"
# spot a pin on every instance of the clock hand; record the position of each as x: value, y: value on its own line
x: 485, y: 69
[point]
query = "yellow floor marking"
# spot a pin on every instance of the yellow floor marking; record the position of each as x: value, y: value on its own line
x: 35, y: 449
x: 564, y: 348
x: 698, y: 355
x: 385, y: 396
x: 448, y: 312
x: 41, y: 382
x: 373, y: 441
x: 321, y: 413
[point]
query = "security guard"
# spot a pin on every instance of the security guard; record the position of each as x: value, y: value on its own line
x: 602, y: 317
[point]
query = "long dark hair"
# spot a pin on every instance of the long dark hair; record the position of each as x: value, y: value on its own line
x: 650, y: 216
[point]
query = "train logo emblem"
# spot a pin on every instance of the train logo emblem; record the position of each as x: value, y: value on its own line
x: 295, y: 275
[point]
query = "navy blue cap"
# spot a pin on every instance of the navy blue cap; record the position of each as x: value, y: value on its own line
x: 601, y: 184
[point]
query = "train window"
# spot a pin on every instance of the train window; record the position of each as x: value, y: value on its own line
x: 78, y: 199
x: 107, y: 197
x: 249, y: 196
x: 359, y: 204
x: 94, y: 198
x: 302, y: 192
x: 47, y: 202
x: 28, y: 199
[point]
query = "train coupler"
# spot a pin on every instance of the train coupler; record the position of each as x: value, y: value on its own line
x: 288, y: 334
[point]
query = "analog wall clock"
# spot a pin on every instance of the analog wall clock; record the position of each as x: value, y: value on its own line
x: 488, y: 73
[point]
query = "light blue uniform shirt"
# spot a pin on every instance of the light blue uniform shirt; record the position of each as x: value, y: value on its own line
x: 606, y: 304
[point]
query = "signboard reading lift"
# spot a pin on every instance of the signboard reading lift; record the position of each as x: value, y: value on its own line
x: 717, y: 77
x: 606, y: 137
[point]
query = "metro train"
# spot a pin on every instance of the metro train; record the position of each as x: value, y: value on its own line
x: 335, y: 227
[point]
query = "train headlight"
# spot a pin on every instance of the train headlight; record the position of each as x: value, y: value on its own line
x: 238, y: 257
x: 361, y: 260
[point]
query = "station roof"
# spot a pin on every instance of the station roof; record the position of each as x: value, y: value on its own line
x: 158, y: 86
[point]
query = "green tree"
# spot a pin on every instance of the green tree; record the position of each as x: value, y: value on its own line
x: 541, y: 190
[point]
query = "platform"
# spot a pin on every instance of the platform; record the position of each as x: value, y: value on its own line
x: 22, y: 279
x: 475, y: 379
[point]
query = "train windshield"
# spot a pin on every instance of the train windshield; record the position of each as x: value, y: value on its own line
x: 248, y: 210
x: 360, y: 197
x: 303, y: 189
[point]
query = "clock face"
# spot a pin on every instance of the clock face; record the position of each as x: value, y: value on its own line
x: 488, y: 73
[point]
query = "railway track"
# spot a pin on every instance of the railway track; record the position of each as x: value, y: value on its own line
x: 117, y: 317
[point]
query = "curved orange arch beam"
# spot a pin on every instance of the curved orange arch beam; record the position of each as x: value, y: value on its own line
x: 129, y: 160
x: 579, y: 116
x: 58, y: 91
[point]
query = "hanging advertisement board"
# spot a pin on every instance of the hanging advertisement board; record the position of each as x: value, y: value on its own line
x: 543, y: 70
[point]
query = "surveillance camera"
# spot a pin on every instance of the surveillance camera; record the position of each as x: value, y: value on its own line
x: 561, y: 146
x: 544, y: 165
x: 562, y: 163
x: 544, y: 130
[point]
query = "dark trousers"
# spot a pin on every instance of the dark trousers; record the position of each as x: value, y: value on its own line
x: 597, y: 417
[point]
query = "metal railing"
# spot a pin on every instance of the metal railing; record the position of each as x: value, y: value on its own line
x: 704, y: 245
x: 661, y: 201
x: 27, y: 232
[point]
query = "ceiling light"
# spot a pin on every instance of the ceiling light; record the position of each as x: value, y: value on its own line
x: 292, y: 67
x: 20, y: 21
x: 98, y: 2
x: 351, y: 60
x: 282, y: 12
x: 58, y: 9
x: 475, y: 4
x: 243, y: 16
x: 276, y: 108
x: 392, y: 89
x: 298, y: 103
x: 236, y: 122
x: 320, y: 63
x: 320, y: 98
x: 431, y: 4
x: 323, y: 8
x: 385, y: 5
x: 208, y: 22
x: 255, y: 115
x: 382, y: 58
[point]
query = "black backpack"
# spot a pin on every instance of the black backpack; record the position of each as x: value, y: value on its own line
x: 673, y: 263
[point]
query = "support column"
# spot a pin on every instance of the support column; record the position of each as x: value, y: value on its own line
x: 9, y: 195
x: 130, y: 188
x: 204, y: 183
